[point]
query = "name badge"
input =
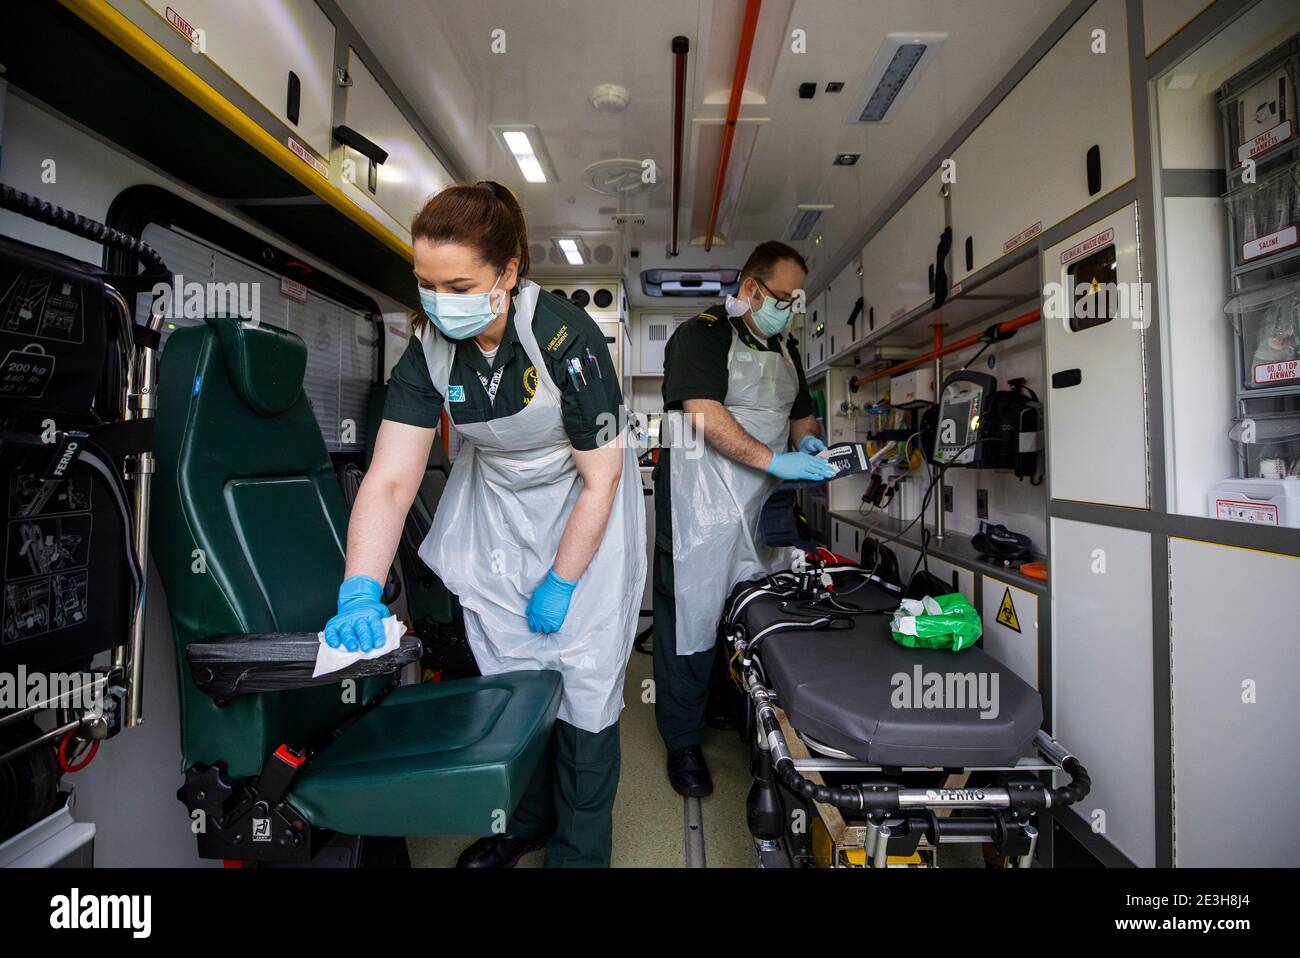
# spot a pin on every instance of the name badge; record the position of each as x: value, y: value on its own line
x: 744, y: 357
x: 455, y: 394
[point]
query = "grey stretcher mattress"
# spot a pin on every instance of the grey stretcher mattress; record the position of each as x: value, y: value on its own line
x: 856, y: 690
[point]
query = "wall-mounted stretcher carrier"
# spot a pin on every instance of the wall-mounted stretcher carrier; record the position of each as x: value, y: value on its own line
x: 283, y: 767
x: 76, y: 401
x: 847, y: 739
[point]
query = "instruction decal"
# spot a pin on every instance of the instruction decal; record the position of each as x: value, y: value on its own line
x: 39, y: 305
x: 1007, y: 612
x: 1261, y: 513
x: 1024, y: 236
x: 309, y: 158
x: 47, y: 551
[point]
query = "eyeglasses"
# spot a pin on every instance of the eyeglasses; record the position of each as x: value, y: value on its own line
x: 781, y: 304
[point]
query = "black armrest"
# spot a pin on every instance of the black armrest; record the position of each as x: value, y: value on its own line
x: 229, y: 665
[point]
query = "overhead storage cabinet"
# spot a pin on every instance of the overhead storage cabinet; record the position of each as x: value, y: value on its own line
x: 1061, y: 139
x: 410, y: 174
x: 843, y: 327
x: 279, y: 52
x: 898, y: 263
x: 817, y: 336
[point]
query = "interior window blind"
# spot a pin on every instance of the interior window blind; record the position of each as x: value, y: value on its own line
x: 342, y: 342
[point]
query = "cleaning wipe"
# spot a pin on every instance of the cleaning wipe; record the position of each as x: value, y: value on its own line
x: 331, y: 660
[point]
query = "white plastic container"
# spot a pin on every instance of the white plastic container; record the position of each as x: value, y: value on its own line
x: 1261, y: 502
x: 912, y: 388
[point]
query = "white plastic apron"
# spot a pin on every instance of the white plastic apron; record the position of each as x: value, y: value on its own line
x: 498, y: 526
x: 716, y: 502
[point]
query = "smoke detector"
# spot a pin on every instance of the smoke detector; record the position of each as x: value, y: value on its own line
x: 610, y: 98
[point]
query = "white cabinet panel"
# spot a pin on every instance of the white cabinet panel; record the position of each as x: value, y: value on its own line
x: 842, y: 297
x: 257, y: 43
x: 897, y: 262
x: 1102, y: 676
x: 1025, y: 168
x: 409, y: 176
x: 1096, y: 397
x: 817, y: 338
x: 1235, y: 712
x: 1011, y: 627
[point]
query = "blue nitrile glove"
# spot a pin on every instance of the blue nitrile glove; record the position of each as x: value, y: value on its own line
x: 359, y: 625
x: 799, y: 465
x: 550, y: 603
x: 811, y: 445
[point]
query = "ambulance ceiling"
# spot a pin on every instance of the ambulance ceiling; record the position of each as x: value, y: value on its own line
x: 449, y: 61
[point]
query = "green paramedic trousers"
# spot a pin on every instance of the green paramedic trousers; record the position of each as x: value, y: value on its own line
x: 571, y: 797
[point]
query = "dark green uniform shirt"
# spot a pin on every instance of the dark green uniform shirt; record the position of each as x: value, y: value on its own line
x: 563, y: 331
x: 695, y: 360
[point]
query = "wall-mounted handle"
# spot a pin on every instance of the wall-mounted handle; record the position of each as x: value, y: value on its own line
x: 970, y: 254
x: 1067, y: 378
x: 294, y: 98
x: 367, y: 147
x: 1094, y: 170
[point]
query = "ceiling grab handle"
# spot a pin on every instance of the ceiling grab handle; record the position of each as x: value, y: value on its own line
x: 747, y: 31
x: 681, y: 46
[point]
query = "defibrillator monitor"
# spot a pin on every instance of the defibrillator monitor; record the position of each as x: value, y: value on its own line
x: 962, y: 405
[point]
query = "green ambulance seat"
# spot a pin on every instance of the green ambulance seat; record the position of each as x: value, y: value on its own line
x: 248, y: 535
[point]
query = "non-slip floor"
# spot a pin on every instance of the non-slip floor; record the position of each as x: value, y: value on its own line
x: 647, y: 812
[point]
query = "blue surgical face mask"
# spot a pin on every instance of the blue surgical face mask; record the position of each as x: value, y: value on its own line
x: 769, y: 318
x: 459, y: 315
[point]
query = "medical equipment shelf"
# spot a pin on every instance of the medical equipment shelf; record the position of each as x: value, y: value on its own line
x: 955, y: 548
x: 1266, y: 333
x: 1009, y: 282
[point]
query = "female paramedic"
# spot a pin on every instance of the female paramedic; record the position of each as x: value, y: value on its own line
x: 540, y: 531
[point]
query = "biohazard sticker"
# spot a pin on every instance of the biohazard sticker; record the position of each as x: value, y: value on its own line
x: 26, y: 373
x: 1007, y: 612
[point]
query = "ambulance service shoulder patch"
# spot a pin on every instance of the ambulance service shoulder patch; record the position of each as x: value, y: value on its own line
x: 530, y: 384
x: 559, y: 339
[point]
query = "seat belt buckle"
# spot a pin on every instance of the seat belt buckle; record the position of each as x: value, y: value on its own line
x: 278, y: 773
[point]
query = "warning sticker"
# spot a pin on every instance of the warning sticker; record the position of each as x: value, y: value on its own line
x: 1087, y: 246
x: 309, y: 158
x: 1238, y: 511
x: 1007, y: 612
x: 25, y: 373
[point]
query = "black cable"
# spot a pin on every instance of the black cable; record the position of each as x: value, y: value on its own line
x: 35, y: 208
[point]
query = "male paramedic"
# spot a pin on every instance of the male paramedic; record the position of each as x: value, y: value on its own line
x: 735, y: 402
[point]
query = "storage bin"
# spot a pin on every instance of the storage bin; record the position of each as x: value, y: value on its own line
x: 1264, y: 217
x: 1267, y: 324
x: 1259, y: 106
x: 1268, y: 444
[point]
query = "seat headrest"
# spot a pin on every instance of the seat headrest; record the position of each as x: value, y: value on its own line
x: 265, y: 363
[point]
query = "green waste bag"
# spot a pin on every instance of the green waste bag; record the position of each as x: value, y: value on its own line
x: 946, y: 622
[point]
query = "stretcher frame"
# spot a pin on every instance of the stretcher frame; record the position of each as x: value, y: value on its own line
x: 899, y: 821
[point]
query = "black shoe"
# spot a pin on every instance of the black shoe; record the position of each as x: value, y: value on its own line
x: 688, y: 773
x: 499, y: 851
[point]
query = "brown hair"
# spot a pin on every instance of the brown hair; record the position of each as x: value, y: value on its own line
x: 484, y: 215
x: 763, y: 260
